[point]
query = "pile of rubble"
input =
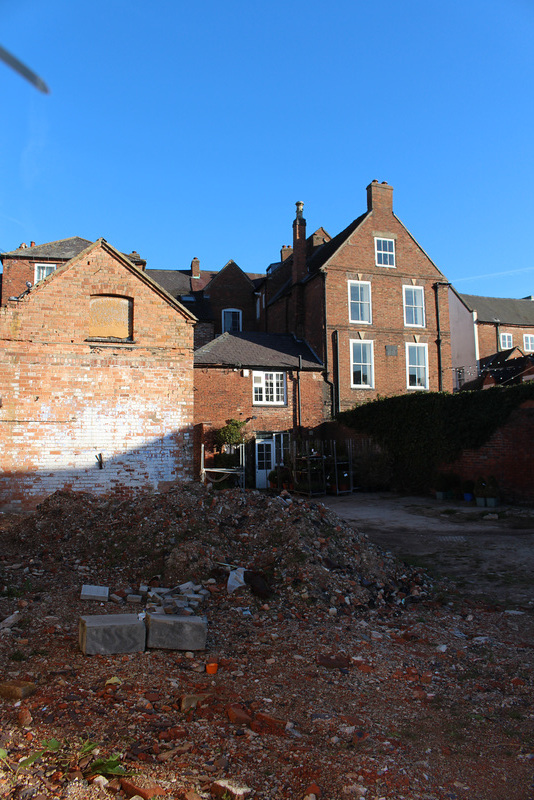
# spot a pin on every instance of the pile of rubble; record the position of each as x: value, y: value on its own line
x: 289, y: 547
x: 331, y: 671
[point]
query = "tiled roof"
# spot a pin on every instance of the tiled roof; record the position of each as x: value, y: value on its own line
x: 251, y: 349
x: 63, y: 249
x: 174, y: 281
x: 505, y: 310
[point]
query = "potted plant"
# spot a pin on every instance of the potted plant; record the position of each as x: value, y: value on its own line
x: 272, y: 477
x: 468, y: 488
x: 481, y: 486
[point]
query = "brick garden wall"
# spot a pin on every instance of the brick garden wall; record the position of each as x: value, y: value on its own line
x: 65, y: 400
x: 508, y: 456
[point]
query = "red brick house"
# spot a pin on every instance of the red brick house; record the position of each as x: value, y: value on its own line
x: 272, y: 382
x: 97, y: 375
x: 486, y: 332
x: 369, y: 301
x: 226, y: 300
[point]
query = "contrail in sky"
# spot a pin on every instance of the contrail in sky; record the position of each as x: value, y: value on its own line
x: 493, y: 275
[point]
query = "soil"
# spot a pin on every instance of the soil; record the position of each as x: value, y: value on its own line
x: 357, y: 676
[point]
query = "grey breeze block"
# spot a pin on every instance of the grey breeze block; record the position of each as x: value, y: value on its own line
x: 111, y: 633
x: 176, y: 632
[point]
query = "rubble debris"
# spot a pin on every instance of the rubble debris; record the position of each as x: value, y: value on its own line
x: 90, y: 592
x: 111, y: 633
x: 353, y: 675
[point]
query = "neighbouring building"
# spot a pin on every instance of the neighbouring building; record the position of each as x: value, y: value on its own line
x: 369, y: 301
x: 272, y: 382
x: 222, y: 301
x: 97, y: 375
x: 487, y: 335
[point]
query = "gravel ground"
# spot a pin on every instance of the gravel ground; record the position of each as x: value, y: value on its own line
x: 353, y: 676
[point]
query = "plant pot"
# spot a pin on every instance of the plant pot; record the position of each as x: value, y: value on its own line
x: 448, y: 495
x: 469, y: 497
x: 481, y: 501
x: 492, y: 502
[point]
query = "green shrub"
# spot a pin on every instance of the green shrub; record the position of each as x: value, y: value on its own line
x: 424, y: 430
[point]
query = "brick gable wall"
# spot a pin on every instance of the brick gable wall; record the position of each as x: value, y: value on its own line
x: 230, y: 288
x: 356, y: 261
x: 65, y: 400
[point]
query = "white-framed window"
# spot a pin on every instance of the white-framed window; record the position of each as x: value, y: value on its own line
x: 507, y: 341
x: 231, y: 320
x: 42, y: 271
x: 269, y: 388
x: 416, y: 366
x: 360, y: 302
x: 362, y: 373
x: 385, y: 252
x: 414, y: 306
x: 528, y: 342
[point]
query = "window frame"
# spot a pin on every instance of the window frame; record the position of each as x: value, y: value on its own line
x: 277, y: 377
x: 368, y: 302
x: 380, y: 253
x: 421, y: 291
x: 129, y: 306
x: 367, y: 344
x: 50, y: 268
x: 525, y: 347
x: 502, y: 344
x: 232, y: 311
x: 421, y: 347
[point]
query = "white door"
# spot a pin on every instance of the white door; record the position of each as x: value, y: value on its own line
x: 264, y: 462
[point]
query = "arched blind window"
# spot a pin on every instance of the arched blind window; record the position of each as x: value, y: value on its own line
x: 111, y: 317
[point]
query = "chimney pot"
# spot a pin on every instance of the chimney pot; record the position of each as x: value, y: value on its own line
x: 32, y: 244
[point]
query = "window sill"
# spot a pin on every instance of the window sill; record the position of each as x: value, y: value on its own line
x: 108, y: 340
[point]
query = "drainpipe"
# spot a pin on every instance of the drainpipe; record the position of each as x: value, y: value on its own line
x: 299, y: 407
x: 438, y: 324
x: 333, y: 394
x: 335, y: 353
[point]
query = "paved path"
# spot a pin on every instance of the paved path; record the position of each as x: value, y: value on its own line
x: 488, y: 553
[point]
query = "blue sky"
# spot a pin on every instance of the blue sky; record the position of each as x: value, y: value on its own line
x: 181, y: 130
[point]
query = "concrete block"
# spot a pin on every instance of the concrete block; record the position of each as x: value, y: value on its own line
x: 176, y: 632
x: 90, y: 592
x: 111, y: 633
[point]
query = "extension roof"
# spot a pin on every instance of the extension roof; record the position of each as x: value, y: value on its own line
x: 63, y: 249
x: 505, y: 310
x: 272, y: 350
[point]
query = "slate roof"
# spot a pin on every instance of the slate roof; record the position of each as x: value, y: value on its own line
x: 253, y: 349
x: 174, y: 281
x: 506, y: 310
x: 63, y: 249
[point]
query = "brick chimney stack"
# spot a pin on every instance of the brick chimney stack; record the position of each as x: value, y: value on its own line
x: 380, y: 197
x: 285, y: 252
x: 299, y: 245
x: 195, y: 268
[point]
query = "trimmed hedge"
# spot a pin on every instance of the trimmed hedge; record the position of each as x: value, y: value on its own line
x: 422, y: 431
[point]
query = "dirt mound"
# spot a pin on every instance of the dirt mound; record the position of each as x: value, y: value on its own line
x: 305, y: 552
